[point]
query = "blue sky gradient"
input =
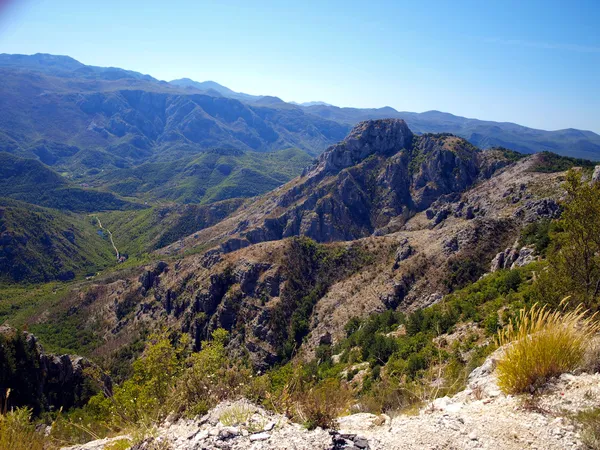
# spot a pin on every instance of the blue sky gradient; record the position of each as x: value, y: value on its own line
x: 532, y: 62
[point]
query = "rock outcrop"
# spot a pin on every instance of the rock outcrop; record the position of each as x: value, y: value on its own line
x: 596, y: 174
x: 372, y: 182
x: 480, y: 416
x: 42, y: 380
x: 513, y: 257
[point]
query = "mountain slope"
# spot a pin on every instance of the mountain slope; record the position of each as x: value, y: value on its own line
x: 215, y: 175
x: 30, y: 181
x: 372, y: 182
x: 405, y: 219
x: 54, y: 108
x: 212, y: 86
x: 40, y: 244
x: 134, y: 117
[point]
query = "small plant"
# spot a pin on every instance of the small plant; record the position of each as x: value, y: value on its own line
x: 543, y: 344
x: 590, y: 424
x: 121, y: 444
x: 235, y: 415
x: 16, y: 430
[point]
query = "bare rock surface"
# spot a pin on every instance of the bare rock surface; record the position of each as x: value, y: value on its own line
x: 479, y: 417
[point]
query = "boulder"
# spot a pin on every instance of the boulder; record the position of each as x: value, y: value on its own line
x: 596, y: 174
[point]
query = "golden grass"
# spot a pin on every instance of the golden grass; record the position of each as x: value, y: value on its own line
x: 543, y: 344
x: 17, y: 432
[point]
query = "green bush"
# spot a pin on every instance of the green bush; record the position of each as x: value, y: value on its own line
x: 17, y: 432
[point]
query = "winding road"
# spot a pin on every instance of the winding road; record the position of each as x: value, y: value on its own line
x: 110, y: 236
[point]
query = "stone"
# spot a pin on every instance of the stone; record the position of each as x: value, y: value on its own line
x: 402, y: 253
x: 361, y: 443
x: 596, y: 174
x: 228, y: 432
x: 259, y: 437
x: 535, y: 210
x: 269, y: 426
x: 453, y: 408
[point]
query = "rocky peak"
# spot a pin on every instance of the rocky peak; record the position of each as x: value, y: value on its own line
x: 383, y: 137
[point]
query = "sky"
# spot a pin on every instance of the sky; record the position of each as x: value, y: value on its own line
x: 533, y: 62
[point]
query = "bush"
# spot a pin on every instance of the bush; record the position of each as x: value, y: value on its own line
x: 17, y: 432
x: 210, y: 378
x: 543, y: 344
x: 590, y: 423
x: 574, y: 254
x: 322, y: 404
x: 296, y: 392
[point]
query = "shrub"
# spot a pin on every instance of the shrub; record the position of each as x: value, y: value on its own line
x: 590, y: 423
x: 542, y: 344
x: 17, y: 432
x: 322, y: 404
x: 210, y: 378
x: 236, y: 415
x: 303, y: 399
x: 574, y: 254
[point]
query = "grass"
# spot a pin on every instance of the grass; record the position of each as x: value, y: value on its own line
x: 17, y: 432
x: 236, y: 415
x: 121, y: 444
x: 543, y: 344
x: 42, y: 244
x: 589, y: 421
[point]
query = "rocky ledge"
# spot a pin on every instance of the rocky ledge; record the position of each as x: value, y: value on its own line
x: 479, y: 417
x: 51, y: 381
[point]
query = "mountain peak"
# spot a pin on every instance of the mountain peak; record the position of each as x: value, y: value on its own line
x: 382, y: 136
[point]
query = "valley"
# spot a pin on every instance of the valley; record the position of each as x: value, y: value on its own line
x: 173, y: 250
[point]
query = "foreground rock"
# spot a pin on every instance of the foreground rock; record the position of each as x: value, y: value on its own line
x: 480, y: 417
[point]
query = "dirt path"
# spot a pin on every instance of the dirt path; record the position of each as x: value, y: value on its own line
x: 110, y: 236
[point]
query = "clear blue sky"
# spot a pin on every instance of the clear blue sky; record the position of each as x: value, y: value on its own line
x: 532, y: 62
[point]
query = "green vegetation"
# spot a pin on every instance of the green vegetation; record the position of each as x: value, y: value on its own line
x: 509, y: 155
x: 40, y: 244
x: 538, y: 235
x: 311, y: 269
x: 551, y: 162
x: 574, y: 255
x: 20, y: 371
x: 17, y: 432
x: 212, y: 176
x: 590, y: 422
x: 31, y: 181
x: 140, y: 232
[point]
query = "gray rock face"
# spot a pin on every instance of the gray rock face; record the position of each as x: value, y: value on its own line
x: 372, y: 182
x: 403, y: 252
x: 513, y: 257
x: 383, y: 137
x: 54, y: 381
x: 596, y: 175
x: 535, y: 210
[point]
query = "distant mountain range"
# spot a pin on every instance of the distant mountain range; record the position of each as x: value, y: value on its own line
x: 69, y: 114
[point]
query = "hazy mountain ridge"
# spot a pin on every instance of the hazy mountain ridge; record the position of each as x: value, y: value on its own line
x: 185, y: 115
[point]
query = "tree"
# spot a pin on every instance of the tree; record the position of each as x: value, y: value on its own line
x: 574, y: 257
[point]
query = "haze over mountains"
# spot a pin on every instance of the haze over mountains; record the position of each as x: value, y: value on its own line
x: 62, y: 112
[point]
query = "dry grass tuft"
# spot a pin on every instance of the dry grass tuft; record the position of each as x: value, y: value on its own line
x: 17, y: 432
x: 543, y: 344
